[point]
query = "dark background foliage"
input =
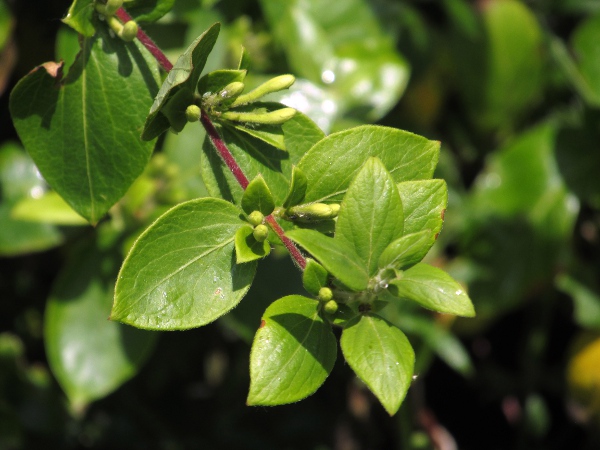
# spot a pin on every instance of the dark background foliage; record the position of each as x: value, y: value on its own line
x: 511, y: 90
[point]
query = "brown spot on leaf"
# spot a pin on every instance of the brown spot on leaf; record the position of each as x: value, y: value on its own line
x: 54, y: 69
x: 436, y: 236
x: 443, y: 214
x: 262, y: 323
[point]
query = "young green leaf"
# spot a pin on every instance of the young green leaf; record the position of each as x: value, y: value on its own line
x: 181, y: 272
x: 381, y: 356
x: 297, y: 188
x: 336, y: 256
x: 371, y: 214
x: 292, y: 354
x: 255, y: 157
x: 89, y: 355
x: 79, y: 17
x: 433, y: 289
x: 424, y: 203
x: 314, y: 276
x: 148, y: 10
x: 257, y: 197
x: 406, y: 251
x: 184, y: 76
x: 334, y: 161
x: 68, y: 125
x: 214, y: 82
x: 247, y: 248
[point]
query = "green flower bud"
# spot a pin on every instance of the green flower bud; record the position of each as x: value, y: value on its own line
x: 325, y: 294
x: 109, y: 8
x: 312, y: 212
x: 129, y: 31
x: 260, y: 232
x: 269, y: 118
x: 331, y: 307
x: 192, y: 113
x: 273, y: 85
x: 256, y: 218
x: 335, y: 208
x: 232, y: 90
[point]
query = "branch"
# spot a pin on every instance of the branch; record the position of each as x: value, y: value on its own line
x: 146, y: 41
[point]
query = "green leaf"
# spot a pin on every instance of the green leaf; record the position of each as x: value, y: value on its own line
x: 297, y: 190
x: 69, y: 125
x: 381, y: 356
x: 314, y: 276
x: 343, y: 48
x: 424, y: 204
x: 19, y: 180
x: 49, y: 208
x: 214, y: 82
x: 181, y: 272
x: 406, y: 251
x: 337, y: 257
x: 433, y: 289
x: 334, y: 161
x: 255, y: 156
x: 89, y: 355
x: 292, y: 354
x: 586, y: 301
x: 371, y: 216
x: 584, y: 42
x: 247, y: 248
x: 80, y: 17
x: 183, y: 77
x: 257, y: 197
x: 148, y: 10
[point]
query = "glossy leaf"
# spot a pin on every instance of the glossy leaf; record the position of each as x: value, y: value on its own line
x: 337, y: 257
x: 257, y: 157
x: 406, y: 251
x: 297, y: 190
x: 584, y: 42
x: 371, y: 216
x: 89, y: 355
x: 247, y: 248
x: 271, y: 134
x: 433, y: 289
x: 214, y: 82
x: 68, y: 124
x: 334, y: 161
x: 424, y: 204
x: 148, y: 10
x: 181, y: 272
x: 257, y: 197
x: 292, y: 354
x: 342, y: 47
x: 381, y: 356
x: 314, y: 276
x: 180, y: 85
x: 79, y: 17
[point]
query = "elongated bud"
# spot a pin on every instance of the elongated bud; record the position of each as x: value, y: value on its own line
x: 129, y: 31
x: 192, y: 113
x: 325, y: 294
x: 260, y: 232
x: 256, y: 218
x: 312, y: 212
x: 269, y: 118
x: 109, y: 8
x: 232, y: 90
x: 331, y: 307
x: 273, y: 85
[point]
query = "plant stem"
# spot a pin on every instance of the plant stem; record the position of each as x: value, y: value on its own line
x: 216, y: 140
x: 146, y: 41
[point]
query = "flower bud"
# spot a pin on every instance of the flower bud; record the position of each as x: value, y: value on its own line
x: 325, y: 294
x: 273, y: 85
x: 109, y: 8
x: 256, y: 218
x: 312, y: 212
x: 129, y: 31
x: 192, y: 113
x: 260, y: 232
x: 331, y: 307
x: 269, y: 118
x: 232, y: 90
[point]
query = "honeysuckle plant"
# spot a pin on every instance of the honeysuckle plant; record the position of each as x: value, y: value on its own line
x: 357, y: 210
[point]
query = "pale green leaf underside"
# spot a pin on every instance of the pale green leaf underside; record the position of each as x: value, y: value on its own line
x: 433, y: 289
x: 292, y: 354
x: 181, y: 273
x: 381, y: 356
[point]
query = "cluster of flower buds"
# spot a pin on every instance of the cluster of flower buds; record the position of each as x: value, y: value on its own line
x: 256, y: 219
x: 127, y: 31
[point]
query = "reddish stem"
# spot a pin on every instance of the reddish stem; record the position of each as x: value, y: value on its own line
x: 146, y: 41
x: 223, y: 151
x: 298, y: 258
